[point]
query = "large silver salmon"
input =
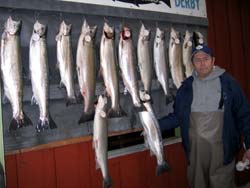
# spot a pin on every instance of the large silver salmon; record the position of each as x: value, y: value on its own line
x: 108, y: 69
x: 160, y: 63
x: 100, y: 139
x: 144, y: 59
x: 86, y: 70
x: 127, y: 65
x: 175, y: 58
x: 152, y: 136
x: 39, y: 75
x: 11, y: 67
x: 65, y: 61
x: 187, y: 52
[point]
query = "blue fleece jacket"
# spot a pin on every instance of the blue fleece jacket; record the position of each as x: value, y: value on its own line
x: 236, y: 116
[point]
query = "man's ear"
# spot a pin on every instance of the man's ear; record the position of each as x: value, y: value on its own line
x: 213, y: 59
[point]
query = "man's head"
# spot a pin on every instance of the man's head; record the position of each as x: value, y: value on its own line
x: 203, y: 60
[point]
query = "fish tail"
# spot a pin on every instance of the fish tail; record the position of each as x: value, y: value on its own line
x: 52, y: 124
x: 112, y: 113
x: 107, y: 183
x: 164, y: 167
x: 70, y: 101
x: 14, y: 125
x: 45, y: 124
x: 86, y: 117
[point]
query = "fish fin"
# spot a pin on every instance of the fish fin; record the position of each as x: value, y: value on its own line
x: 33, y: 100
x: 164, y: 167
x: 112, y: 113
x: 107, y: 183
x: 71, y: 101
x: 86, y: 117
x: 58, y: 37
x: 14, y: 125
x: 61, y: 85
x: 140, y: 109
x: 27, y: 121
x: 167, y: 2
x: 52, y: 124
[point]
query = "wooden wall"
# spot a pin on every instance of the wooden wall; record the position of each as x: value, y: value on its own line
x: 74, y: 166
x: 229, y: 36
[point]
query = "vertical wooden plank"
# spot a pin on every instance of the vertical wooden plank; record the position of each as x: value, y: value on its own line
x: 11, y: 171
x: 245, y: 26
x: 236, y: 41
x: 36, y: 169
x: 72, y: 166
x: 178, y: 174
x: 132, y: 170
x: 222, y: 37
x: 210, y: 32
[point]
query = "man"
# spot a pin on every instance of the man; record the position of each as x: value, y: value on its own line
x: 212, y: 111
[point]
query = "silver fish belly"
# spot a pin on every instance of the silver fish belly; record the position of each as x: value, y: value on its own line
x: 127, y: 66
x: 187, y: 52
x: 152, y: 136
x: 65, y: 62
x: 11, y: 68
x: 86, y: 71
x: 100, y: 140
x: 175, y: 58
x: 39, y: 76
x: 109, y: 69
x: 144, y: 59
x: 160, y: 63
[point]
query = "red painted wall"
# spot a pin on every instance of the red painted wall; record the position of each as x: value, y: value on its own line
x: 74, y: 166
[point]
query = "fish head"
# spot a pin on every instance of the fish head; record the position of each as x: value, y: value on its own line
x: 126, y: 33
x: 11, y: 26
x: 175, y: 36
x: 198, y: 38
x: 102, y: 103
x: 108, y: 31
x: 88, y: 32
x: 144, y: 33
x: 159, y: 34
x: 65, y: 29
x: 39, y: 29
x: 188, y: 40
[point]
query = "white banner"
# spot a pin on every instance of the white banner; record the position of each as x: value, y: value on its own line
x: 182, y: 7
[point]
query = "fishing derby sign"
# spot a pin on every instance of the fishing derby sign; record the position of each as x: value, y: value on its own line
x: 195, y: 8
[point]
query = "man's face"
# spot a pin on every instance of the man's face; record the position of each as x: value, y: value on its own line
x: 203, y: 64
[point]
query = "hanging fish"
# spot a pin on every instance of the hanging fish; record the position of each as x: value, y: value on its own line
x: 86, y: 70
x: 152, y: 135
x: 160, y: 63
x: 100, y: 140
x: 144, y: 59
x: 108, y: 69
x: 39, y: 76
x: 198, y: 38
x: 127, y: 65
x: 11, y: 67
x: 187, y: 52
x: 65, y: 61
x: 175, y: 58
